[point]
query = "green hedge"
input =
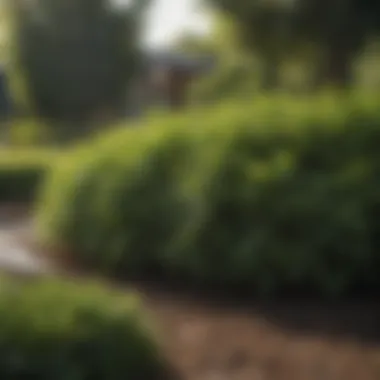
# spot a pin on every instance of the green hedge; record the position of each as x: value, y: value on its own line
x: 267, y: 194
x: 21, y: 173
x: 65, y: 331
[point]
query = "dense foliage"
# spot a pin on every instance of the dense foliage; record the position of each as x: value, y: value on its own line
x: 55, y: 330
x: 22, y: 172
x: 275, y: 30
x: 271, y: 194
x: 76, y: 57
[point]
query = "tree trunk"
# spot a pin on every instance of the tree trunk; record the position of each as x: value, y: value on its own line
x: 177, y: 89
x: 335, y: 70
x: 338, y: 70
x: 270, y: 75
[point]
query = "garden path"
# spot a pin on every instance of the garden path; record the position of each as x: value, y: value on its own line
x: 16, y: 255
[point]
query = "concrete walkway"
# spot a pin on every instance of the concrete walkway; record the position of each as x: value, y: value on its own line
x: 15, y: 255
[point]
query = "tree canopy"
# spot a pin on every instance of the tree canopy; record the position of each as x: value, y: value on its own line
x: 77, y: 56
x: 276, y: 28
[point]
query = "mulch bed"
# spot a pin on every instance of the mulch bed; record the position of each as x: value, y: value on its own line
x: 290, y: 340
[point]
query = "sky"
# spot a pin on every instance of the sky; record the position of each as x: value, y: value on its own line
x: 169, y: 18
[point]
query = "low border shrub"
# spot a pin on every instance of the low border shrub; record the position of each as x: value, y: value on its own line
x: 22, y: 172
x: 53, y: 330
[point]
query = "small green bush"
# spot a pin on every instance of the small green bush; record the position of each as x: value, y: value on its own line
x: 52, y: 330
x: 21, y: 173
x: 267, y: 194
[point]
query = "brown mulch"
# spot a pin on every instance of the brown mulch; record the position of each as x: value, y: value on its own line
x: 292, y: 340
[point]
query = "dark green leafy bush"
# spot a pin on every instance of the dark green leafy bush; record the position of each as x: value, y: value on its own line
x: 21, y: 174
x: 65, y: 331
x: 267, y: 194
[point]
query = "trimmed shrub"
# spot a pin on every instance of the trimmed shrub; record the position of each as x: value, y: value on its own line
x: 21, y: 173
x: 55, y: 330
x: 269, y: 195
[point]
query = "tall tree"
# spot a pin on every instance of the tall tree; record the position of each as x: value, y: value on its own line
x: 336, y: 28
x: 339, y: 29
x: 263, y: 27
x: 77, y: 56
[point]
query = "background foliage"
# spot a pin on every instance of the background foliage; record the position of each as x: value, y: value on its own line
x: 76, y: 59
